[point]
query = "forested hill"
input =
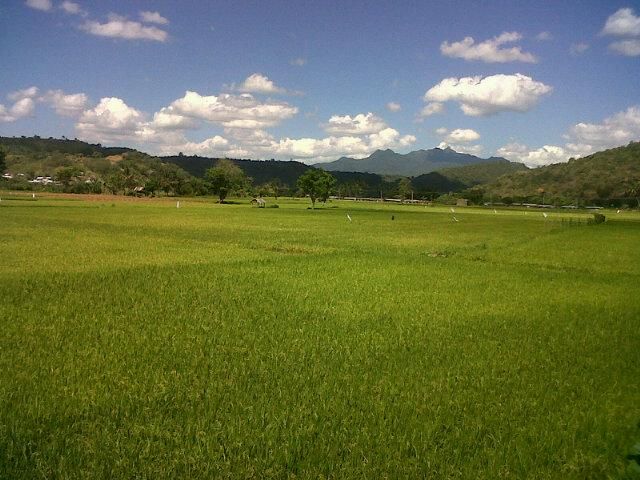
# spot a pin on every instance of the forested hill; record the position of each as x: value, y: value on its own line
x: 607, y: 177
x: 259, y: 171
x: 37, y: 145
x: 461, y: 178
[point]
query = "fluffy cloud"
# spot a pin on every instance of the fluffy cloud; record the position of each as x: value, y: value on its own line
x: 470, y: 149
x: 393, y: 107
x: 72, y: 8
x: 111, y: 119
x: 258, y: 83
x: 327, y: 149
x: 243, y: 143
x: 166, y: 120
x: 489, y: 51
x: 232, y: 111
x: 431, y: 109
x: 582, y: 139
x: 298, y: 62
x: 459, y: 135
x: 30, y: 92
x: 544, y: 36
x: 44, y: 5
x: 361, y: 124
x: 459, y: 140
x: 22, y: 107
x: 67, y: 105
x: 628, y: 48
x: 616, y: 130
x: 244, y: 120
x: 545, y: 155
x: 153, y: 17
x: 120, y: 27
x: 479, y: 96
x: 623, y: 23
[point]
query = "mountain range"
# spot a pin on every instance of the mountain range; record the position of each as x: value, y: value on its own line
x: 418, y: 162
x: 606, y: 178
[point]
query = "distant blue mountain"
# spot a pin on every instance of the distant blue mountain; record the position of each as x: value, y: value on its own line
x: 388, y: 162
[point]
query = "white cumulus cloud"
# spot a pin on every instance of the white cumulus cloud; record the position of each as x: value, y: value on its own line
x: 545, y: 155
x: 489, y: 51
x: 30, y: 92
x: 233, y: 111
x: 120, y: 27
x: 459, y: 135
x: 44, y: 5
x: 582, y: 139
x: 469, y: 149
x: 459, y: 140
x: 360, y: 124
x: 258, y: 83
x: 23, y: 105
x: 431, y: 109
x: 153, y: 17
x: 479, y: 96
x: 628, y: 48
x: 67, y: 105
x: 111, y: 119
x: 623, y: 23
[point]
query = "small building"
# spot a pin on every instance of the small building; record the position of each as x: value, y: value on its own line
x: 462, y: 202
x: 259, y: 202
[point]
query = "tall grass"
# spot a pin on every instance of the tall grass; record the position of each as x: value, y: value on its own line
x: 142, y: 340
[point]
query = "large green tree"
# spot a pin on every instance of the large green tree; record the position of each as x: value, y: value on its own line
x: 3, y: 164
x: 224, y: 178
x: 317, y: 184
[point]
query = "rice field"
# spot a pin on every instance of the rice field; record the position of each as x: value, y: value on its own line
x: 141, y: 340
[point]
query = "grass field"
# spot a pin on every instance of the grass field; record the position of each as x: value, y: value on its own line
x: 139, y: 340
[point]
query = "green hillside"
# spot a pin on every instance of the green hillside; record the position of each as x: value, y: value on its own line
x: 456, y: 179
x: 78, y: 167
x: 610, y: 177
x: 485, y: 172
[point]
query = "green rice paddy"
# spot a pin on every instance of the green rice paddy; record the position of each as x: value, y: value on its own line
x: 141, y: 340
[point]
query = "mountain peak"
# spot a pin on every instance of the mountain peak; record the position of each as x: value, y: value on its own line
x: 388, y: 162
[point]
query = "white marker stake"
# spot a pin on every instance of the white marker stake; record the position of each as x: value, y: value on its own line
x: 452, y: 210
x: 618, y: 211
x: 178, y: 204
x: 455, y: 219
x: 544, y: 214
x: 33, y: 195
x: 348, y: 217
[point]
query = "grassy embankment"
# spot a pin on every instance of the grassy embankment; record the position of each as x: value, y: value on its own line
x: 142, y: 340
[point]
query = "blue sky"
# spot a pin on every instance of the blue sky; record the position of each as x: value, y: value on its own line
x: 536, y: 82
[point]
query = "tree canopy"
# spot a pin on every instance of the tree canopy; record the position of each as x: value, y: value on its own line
x: 225, y: 178
x: 318, y: 184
